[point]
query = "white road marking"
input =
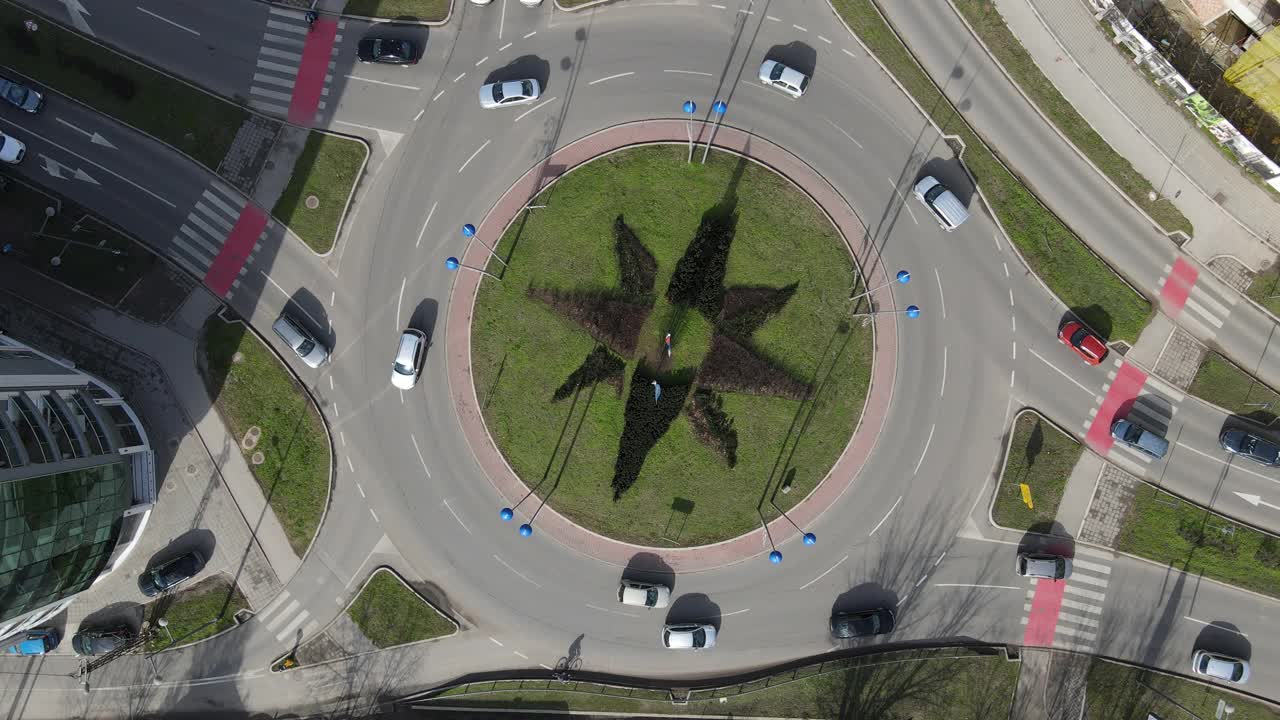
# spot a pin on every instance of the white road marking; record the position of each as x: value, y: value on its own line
x: 1015, y: 350
x: 400, y: 301
x: 1086, y: 565
x: 1013, y: 323
x: 921, y: 580
x: 482, y: 61
x: 824, y: 40
x: 904, y: 597
x: 1087, y: 594
x: 736, y: 612
x: 688, y: 72
x: 1239, y: 468
x: 607, y: 610
x: 330, y: 382
x: 420, y: 459
x: 1011, y: 297
x: 886, y: 516
x: 521, y: 575
x: 800, y: 28
x: 942, y: 390
x: 455, y: 516
x: 1006, y: 268
x: 520, y: 654
x: 746, y: 12
x: 1012, y: 373
x: 535, y: 107
x: 529, y: 35
x: 473, y: 155
x: 361, y: 489
x: 502, y: 19
x: 494, y: 640
x: 833, y: 567
x: 1220, y: 627
x: 545, y: 666
x: 430, y: 212
x: 333, y: 295
x: 433, y: 99
x: 611, y: 77
x: 926, y: 449
x: 165, y: 19
x: 375, y: 515
x: 459, y: 77
x: 902, y: 197
x: 382, y: 82
x: 401, y: 397
x: 718, y: 7
x: 1088, y: 580
x: 343, y: 435
x: 941, y: 297
x: 1060, y: 372
x: 969, y: 585
x: 335, y: 409
x: 842, y: 131
x: 350, y: 465
x: 997, y: 239
x: 1069, y: 617
x: 504, y: 47
x: 419, y: 115
x: 850, y: 54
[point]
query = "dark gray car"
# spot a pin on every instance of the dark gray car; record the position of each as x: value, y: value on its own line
x: 20, y: 96
x: 170, y: 574
x: 864, y: 623
x: 100, y: 642
x: 1243, y: 442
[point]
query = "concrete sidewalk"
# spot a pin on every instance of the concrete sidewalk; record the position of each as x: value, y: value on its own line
x: 1230, y: 213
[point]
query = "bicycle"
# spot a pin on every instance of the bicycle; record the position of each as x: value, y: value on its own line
x: 565, y: 667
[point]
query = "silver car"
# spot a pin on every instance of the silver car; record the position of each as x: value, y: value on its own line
x: 688, y: 636
x: 505, y: 94
x: 642, y: 594
x: 1220, y: 667
x: 1046, y: 567
x: 789, y: 81
x: 410, y: 351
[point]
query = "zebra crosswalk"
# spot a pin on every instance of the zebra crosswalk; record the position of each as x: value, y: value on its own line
x: 1144, y: 398
x: 219, y: 237
x: 285, y: 617
x: 1197, y: 306
x: 276, y: 78
x: 1066, y: 613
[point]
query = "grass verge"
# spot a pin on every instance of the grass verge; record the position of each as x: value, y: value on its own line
x: 1081, y: 279
x: 425, y: 10
x: 1188, y: 537
x: 258, y: 391
x: 918, y: 685
x: 327, y: 168
x: 1223, y: 383
x: 1265, y: 289
x: 191, y: 120
x: 1041, y: 456
x: 390, y: 614
x: 203, y: 610
x: 1120, y: 692
x: 990, y: 26
x: 522, y: 351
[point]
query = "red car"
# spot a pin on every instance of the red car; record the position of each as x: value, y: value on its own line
x: 1087, y: 345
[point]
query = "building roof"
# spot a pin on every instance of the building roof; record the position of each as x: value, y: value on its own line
x: 57, y: 532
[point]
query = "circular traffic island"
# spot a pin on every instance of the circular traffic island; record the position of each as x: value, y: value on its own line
x: 671, y: 351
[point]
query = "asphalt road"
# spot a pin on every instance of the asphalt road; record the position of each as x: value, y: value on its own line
x: 407, y: 488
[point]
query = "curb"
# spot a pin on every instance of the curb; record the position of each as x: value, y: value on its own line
x: 583, y: 6
x: 338, y: 234
x: 1005, y: 463
x: 372, y: 18
x: 236, y: 623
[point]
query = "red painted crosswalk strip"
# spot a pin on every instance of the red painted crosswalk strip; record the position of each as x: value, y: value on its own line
x: 1177, y: 287
x: 235, y: 251
x: 309, y: 84
x: 1128, y: 383
x: 1042, y: 621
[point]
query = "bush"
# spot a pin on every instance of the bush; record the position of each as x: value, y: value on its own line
x: 644, y: 423
x: 121, y: 86
x: 746, y: 308
x: 636, y: 264
x: 1198, y: 531
x: 712, y: 426
x: 616, y: 322
x: 698, y: 280
x: 599, y: 366
x: 732, y: 367
x: 20, y: 38
x: 1268, y: 552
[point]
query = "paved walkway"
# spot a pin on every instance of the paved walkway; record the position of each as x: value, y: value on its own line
x: 1230, y: 213
x: 507, y: 209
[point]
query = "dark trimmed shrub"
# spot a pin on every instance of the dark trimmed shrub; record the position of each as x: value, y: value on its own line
x: 616, y: 322
x: 1196, y: 531
x: 121, y: 86
x: 712, y: 426
x: 645, y: 422
x: 599, y: 366
x: 1268, y: 553
x: 732, y: 367
x: 746, y: 308
x: 21, y: 38
x: 636, y: 265
x: 698, y: 280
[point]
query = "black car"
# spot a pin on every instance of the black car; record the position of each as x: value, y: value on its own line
x: 864, y: 623
x: 100, y: 642
x: 170, y: 574
x: 1243, y: 442
x: 387, y: 51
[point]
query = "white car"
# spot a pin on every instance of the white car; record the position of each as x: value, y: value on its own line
x: 481, y: 2
x: 531, y: 3
x: 410, y: 351
x: 1220, y: 667
x: 12, y: 150
x: 642, y: 594
x: 504, y: 94
x: 789, y: 81
x: 688, y: 636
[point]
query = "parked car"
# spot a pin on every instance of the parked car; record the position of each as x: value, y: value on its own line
x: 688, y: 636
x: 1246, y: 444
x: 1220, y: 667
x: 21, y: 96
x: 1139, y: 438
x: 481, y: 2
x: 863, y: 623
x: 1088, y: 346
x: 12, y: 150
x: 33, y: 642
x: 789, y: 81
x: 1043, y: 566
x: 507, y: 94
x: 642, y: 594
x: 410, y: 352
x: 387, y: 51
x: 945, y: 206
x: 100, y: 642
x: 531, y: 3
x: 169, y: 575
x: 302, y: 343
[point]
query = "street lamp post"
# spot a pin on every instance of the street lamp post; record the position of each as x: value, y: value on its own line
x: 911, y: 311
x: 453, y: 264
x: 469, y: 232
x: 689, y: 108
x: 902, y: 278
x: 718, y: 107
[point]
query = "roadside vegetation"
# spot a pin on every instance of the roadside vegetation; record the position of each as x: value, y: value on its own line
x: 327, y: 168
x: 1223, y: 383
x: 990, y: 26
x: 389, y: 613
x: 924, y: 685
x: 424, y: 10
x: 1265, y: 288
x: 202, y: 610
x: 191, y: 120
x: 1188, y: 537
x: 1121, y: 692
x: 1081, y: 279
x: 1042, y: 457
x: 252, y: 388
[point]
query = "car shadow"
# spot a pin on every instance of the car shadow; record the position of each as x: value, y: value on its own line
x: 404, y: 27
x: 198, y: 539
x: 127, y: 614
x: 305, y: 307
x: 523, y: 68
x: 795, y: 55
x: 951, y: 173
x: 650, y: 567
x: 1224, y: 638
x: 1093, y: 316
x: 694, y: 607
x: 424, y: 317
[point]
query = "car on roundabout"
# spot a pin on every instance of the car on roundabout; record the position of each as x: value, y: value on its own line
x: 1082, y: 342
x: 509, y: 94
x: 643, y: 594
x: 1220, y: 667
x: 1247, y: 444
x: 788, y: 80
x: 688, y: 636
x: 410, y: 352
x: 861, y: 623
x: 387, y: 51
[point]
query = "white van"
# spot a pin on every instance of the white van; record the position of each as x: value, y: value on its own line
x: 308, y: 349
x: 945, y: 206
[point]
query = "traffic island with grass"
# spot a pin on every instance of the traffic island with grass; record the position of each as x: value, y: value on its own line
x: 283, y: 439
x: 315, y: 200
x: 1191, y: 539
x: 200, y: 611
x: 1121, y: 692
x: 1224, y: 384
x: 1041, y: 457
x: 389, y: 613
x: 755, y: 397
x: 1081, y: 279
x: 421, y: 10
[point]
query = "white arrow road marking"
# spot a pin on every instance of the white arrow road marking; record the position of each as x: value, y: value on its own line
x: 77, y: 12
x: 51, y: 166
x: 1256, y: 500
x: 94, y: 137
x: 82, y: 175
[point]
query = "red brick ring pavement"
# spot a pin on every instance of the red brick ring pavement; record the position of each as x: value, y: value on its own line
x: 458, y: 346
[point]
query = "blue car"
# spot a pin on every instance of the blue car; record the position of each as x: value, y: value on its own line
x: 33, y: 642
